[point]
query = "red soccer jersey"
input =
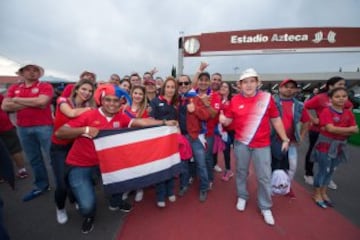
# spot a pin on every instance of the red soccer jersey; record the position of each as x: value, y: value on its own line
x: 67, y: 90
x: 318, y: 103
x: 251, y: 118
x: 338, y: 119
x: 5, y: 123
x: 132, y: 114
x: 82, y: 152
x: 60, y: 120
x: 32, y: 116
x: 215, y: 104
x: 288, y: 117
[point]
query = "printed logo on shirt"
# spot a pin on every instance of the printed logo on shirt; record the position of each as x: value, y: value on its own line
x: 241, y: 106
x: 336, y: 119
x: 116, y: 124
x: 217, y: 106
x: 35, y: 90
x: 161, y: 104
x: 17, y: 92
x: 260, y: 105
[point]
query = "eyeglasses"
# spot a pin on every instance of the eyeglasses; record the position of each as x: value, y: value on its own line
x: 184, y: 83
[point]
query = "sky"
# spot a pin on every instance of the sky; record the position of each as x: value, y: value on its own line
x: 113, y: 36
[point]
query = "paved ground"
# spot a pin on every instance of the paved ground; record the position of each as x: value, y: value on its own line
x: 36, y: 219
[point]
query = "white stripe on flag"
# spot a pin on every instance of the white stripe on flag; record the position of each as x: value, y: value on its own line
x: 132, y: 137
x: 141, y: 170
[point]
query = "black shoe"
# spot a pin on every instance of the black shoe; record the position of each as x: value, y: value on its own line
x: 125, y: 206
x: 182, y: 191
x: 88, y: 225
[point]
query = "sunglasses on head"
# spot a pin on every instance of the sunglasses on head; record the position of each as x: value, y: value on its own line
x: 184, y: 83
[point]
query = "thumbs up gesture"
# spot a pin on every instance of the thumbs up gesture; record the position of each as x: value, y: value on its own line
x: 191, y: 106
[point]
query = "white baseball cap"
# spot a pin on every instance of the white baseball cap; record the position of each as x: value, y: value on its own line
x: 250, y: 72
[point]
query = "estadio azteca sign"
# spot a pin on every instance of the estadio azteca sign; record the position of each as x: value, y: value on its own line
x: 272, y: 41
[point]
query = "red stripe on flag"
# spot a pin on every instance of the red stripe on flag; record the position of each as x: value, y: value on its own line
x: 134, y: 154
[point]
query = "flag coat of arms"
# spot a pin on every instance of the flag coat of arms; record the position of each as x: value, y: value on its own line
x: 135, y: 158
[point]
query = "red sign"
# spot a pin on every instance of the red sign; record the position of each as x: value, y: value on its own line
x: 273, y: 41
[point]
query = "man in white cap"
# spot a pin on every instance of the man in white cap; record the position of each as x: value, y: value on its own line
x: 31, y: 100
x: 251, y: 112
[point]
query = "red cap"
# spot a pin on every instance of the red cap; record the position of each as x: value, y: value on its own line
x: 287, y: 81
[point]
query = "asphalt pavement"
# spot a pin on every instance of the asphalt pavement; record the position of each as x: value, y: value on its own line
x: 36, y: 219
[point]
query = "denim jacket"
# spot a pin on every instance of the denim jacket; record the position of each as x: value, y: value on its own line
x: 297, y: 111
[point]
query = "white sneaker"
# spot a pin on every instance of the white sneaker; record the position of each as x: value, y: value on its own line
x: 161, y: 204
x: 217, y: 168
x: 268, y: 217
x: 139, y: 195
x: 309, y: 180
x: 332, y: 185
x: 240, y: 205
x: 61, y: 216
x: 125, y: 195
x: 172, y: 198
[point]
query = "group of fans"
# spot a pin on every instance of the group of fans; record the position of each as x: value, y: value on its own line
x: 212, y: 119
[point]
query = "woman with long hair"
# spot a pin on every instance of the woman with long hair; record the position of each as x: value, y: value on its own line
x: 80, y: 101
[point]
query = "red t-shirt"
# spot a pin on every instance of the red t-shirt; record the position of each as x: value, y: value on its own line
x: 60, y: 120
x: 251, y: 118
x: 82, y: 152
x: 215, y: 103
x: 5, y: 123
x: 32, y: 116
x: 318, y: 103
x: 338, y: 119
x: 288, y: 117
x: 132, y: 114
x: 67, y: 90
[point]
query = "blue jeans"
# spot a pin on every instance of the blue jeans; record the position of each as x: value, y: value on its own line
x: 199, y: 154
x: 165, y: 189
x: 58, y: 155
x: 36, y: 143
x: 209, y: 157
x: 81, y: 183
x: 184, y: 175
x: 325, y: 169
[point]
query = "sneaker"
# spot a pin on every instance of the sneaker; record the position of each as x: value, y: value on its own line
x: 240, y: 205
x: 22, y: 174
x: 182, y: 191
x: 34, y: 194
x: 191, y: 180
x: 203, y: 196
x: 125, y: 206
x: 228, y: 174
x: 87, y: 225
x: 125, y: 195
x: 291, y: 194
x: 61, y: 216
x: 309, y: 180
x: 139, y: 195
x: 172, y: 198
x: 161, y: 204
x: 268, y: 217
x: 217, y: 168
x: 332, y: 185
x: 211, y: 184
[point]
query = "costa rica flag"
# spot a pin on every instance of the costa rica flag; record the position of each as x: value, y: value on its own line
x: 134, y: 158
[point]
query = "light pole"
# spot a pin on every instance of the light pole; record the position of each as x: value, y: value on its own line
x: 235, y: 71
